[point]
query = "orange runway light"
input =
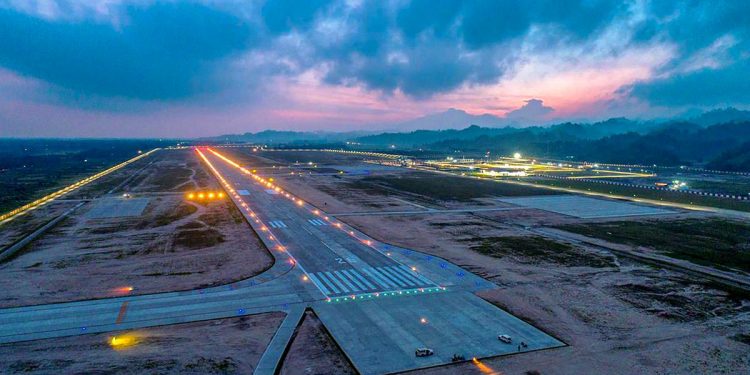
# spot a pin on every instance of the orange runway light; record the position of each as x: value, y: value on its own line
x: 201, y: 196
x: 123, y: 290
x: 484, y: 369
x: 191, y: 196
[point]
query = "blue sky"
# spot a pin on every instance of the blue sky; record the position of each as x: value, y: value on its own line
x: 111, y: 68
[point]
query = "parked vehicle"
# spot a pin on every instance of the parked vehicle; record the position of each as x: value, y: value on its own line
x: 505, y: 338
x: 423, y: 352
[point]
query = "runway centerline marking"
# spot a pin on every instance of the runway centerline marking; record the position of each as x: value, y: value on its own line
x: 121, y: 314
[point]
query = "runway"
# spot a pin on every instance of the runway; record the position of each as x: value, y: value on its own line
x: 371, y: 295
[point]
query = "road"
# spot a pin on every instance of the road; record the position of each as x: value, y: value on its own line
x: 377, y: 300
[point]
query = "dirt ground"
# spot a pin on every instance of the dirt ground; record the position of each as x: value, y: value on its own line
x: 618, y: 316
x: 313, y: 351
x: 173, y: 245
x: 222, y: 346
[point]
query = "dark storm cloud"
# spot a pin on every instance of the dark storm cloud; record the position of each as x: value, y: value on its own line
x: 696, y: 26
x: 281, y: 16
x: 163, y: 51
x: 176, y: 50
x: 707, y: 87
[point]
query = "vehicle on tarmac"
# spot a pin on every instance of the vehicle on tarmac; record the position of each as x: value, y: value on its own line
x: 423, y: 352
x: 505, y: 338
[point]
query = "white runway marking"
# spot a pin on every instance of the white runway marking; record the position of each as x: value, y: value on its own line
x: 277, y: 224
x: 319, y: 284
x: 317, y: 222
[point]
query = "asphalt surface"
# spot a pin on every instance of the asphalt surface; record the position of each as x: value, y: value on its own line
x: 372, y: 296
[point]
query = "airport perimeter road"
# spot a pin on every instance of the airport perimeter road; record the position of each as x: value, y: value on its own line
x: 372, y: 296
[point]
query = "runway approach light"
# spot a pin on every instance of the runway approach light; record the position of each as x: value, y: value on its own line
x: 122, y: 341
x: 517, y: 156
x: 204, y: 195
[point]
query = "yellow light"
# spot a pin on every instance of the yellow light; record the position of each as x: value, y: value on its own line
x: 201, y: 196
x: 123, y: 341
x: 221, y: 195
x: 211, y: 195
x: 300, y: 202
x: 191, y: 196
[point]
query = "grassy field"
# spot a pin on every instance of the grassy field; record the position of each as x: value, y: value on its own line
x: 30, y: 169
x: 538, y: 250
x: 714, y: 242
x: 659, y: 195
x: 447, y: 187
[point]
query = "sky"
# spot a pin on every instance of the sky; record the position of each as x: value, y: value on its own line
x: 117, y: 68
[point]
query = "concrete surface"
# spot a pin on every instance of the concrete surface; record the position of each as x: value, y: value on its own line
x: 105, y: 208
x: 585, y: 207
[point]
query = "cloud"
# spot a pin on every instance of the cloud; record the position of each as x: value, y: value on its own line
x: 706, y: 87
x: 534, y: 109
x: 163, y: 51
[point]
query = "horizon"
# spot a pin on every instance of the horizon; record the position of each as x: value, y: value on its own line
x: 198, y: 69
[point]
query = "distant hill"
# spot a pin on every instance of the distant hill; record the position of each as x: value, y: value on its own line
x: 286, y: 137
x: 721, y: 116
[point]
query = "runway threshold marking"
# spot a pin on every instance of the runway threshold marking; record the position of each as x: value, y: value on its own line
x: 121, y: 314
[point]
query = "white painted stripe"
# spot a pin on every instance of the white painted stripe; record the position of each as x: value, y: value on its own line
x: 354, y: 279
x: 345, y: 280
x: 319, y: 284
x: 394, y: 277
x: 418, y: 275
x: 388, y: 278
x: 405, y: 275
x: 363, y: 279
x: 328, y: 282
x: 340, y: 285
x: 376, y: 278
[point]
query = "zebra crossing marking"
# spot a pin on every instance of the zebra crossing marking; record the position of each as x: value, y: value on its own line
x: 317, y: 222
x: 319, y: 284
x: 352, y: 278
x: 277, y: 224
x: 396, y: 277
x: 330, y: 283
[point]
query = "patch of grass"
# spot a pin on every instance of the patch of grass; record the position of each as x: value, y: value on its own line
x: 181, y: 211
x: 715, y: 242
x: 539, y: 250
x: 742, y: 337
x: 449, y: 188
x: 197, y: 238
x: 168, y: 178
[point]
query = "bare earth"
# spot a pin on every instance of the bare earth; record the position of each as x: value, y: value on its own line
x: 222, y: 346
x: 618, y: 316
x: 172, y: 245
x: 313, y: 351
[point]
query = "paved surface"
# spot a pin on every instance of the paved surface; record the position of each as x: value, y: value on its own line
x: 271, y: 358
x: 428, y: 211
x: 380, y: 335
x: 585, y: 207
x: 366, y: 292
x: 117, y: 207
